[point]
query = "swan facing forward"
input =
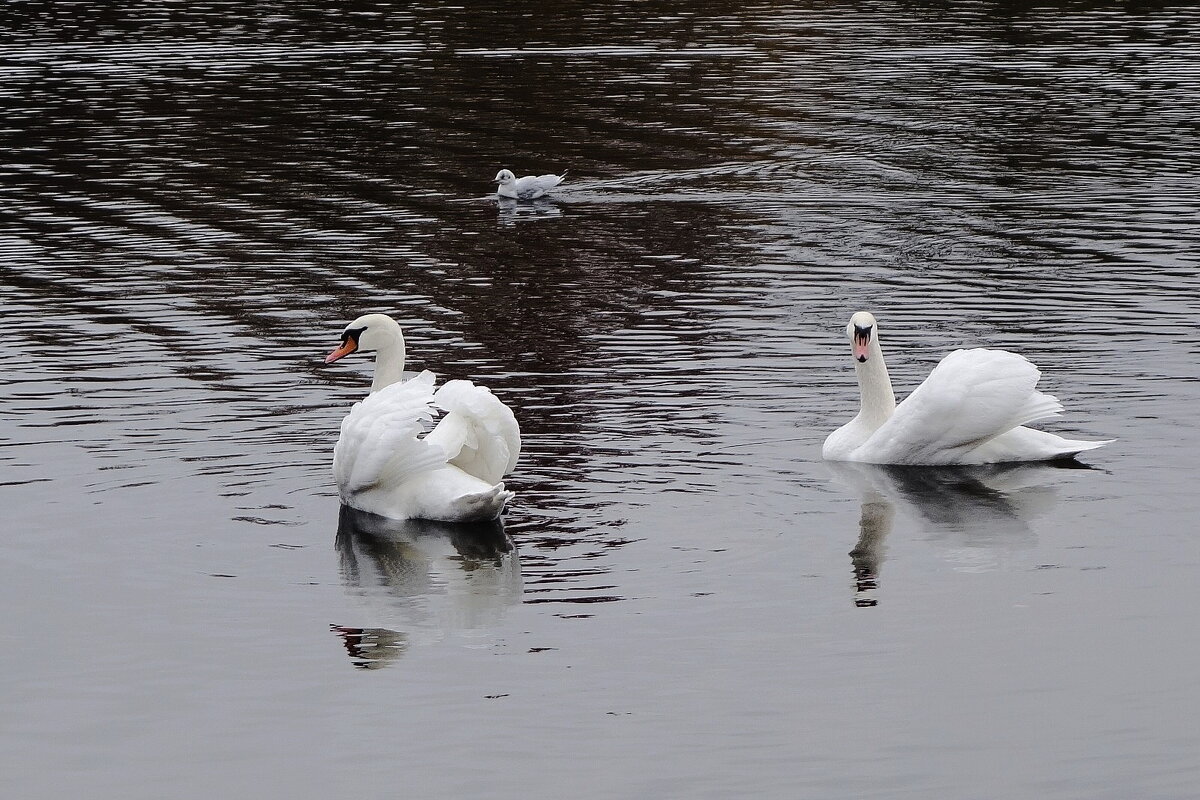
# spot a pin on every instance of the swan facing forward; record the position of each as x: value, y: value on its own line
x: 972, y: 409
x: 382, y: 463
x: 530, y: 187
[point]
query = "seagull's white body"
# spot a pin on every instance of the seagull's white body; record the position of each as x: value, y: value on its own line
x: 972, y: 409
x: 529, y: 187
x: 384, y: 465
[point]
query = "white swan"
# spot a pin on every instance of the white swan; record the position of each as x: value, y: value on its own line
x: 382, y: 463
x: 530, y: 187
x: 972, y: 409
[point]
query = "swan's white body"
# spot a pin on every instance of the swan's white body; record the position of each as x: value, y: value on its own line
x: 384, y: 465
x: 529, y: 187
x: 972, y: 409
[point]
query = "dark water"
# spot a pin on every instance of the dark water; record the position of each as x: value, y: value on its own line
x: 686, y: 601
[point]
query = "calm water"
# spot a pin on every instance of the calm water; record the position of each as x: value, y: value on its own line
x: 686, y: 602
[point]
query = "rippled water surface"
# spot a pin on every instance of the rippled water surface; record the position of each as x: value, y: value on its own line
x: 686, y: 601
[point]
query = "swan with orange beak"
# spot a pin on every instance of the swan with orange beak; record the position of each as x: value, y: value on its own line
x: 384, y: 462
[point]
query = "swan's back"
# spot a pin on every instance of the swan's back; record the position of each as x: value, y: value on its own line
x: 380, y: 442
x: 970, y: 398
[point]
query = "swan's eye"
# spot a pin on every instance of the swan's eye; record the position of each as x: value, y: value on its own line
x: 352, y: 334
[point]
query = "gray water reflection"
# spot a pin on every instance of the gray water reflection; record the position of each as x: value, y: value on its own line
x: 510, y: 212
x: 427, y: 578
x: 964, y: 510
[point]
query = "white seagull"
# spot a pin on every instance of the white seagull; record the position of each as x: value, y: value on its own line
x: 530, y: 187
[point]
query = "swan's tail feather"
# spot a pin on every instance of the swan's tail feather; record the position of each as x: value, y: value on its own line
x: 481, y: 506
x: 1073, y: 447
x: 1044, y: 406
x: 1038, y: 407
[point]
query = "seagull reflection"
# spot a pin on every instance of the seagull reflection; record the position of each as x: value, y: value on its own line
x: 425, y: 578
x: 972, y: 511
x: 511, y: 211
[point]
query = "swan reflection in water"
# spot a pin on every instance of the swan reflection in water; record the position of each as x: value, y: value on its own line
x: 371, y: 648
x: 973, y: 512
x: 422, y: 580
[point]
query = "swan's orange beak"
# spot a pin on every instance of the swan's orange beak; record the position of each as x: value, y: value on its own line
x: 347, y: 347
x: 862, y: 340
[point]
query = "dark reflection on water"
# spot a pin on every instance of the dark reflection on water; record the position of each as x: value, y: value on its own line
x: 956, y: 507
x: 371, y: 648
x: 874, y: 525
x: 389, y: 541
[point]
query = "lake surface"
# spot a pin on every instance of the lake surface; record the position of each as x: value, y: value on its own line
x: 686, y: 601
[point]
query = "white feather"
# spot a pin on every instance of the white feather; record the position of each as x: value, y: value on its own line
x: 971, y: 396
x: 380, y: 438
x: 479, y: 433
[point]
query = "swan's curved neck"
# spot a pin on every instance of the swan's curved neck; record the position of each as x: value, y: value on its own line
x: 875, y: 388
x: 389, y: 364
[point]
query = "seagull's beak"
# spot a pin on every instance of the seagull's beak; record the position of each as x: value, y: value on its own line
x: 861, y: 341
x: 347, y: 347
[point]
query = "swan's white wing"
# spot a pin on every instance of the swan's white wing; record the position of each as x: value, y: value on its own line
x: 479, y: 433
x: 533, y: 186
x: 970, y: 397
x: 379, y: 442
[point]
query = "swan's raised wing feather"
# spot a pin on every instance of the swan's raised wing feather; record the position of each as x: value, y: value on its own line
x: 971, y: 396
x: 379, y: 442
x: 479, y: 434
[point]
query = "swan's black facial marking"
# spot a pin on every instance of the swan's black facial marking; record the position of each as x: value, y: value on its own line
x: 862, y: 337
x: 349, y: 345
x: 352, y: 334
